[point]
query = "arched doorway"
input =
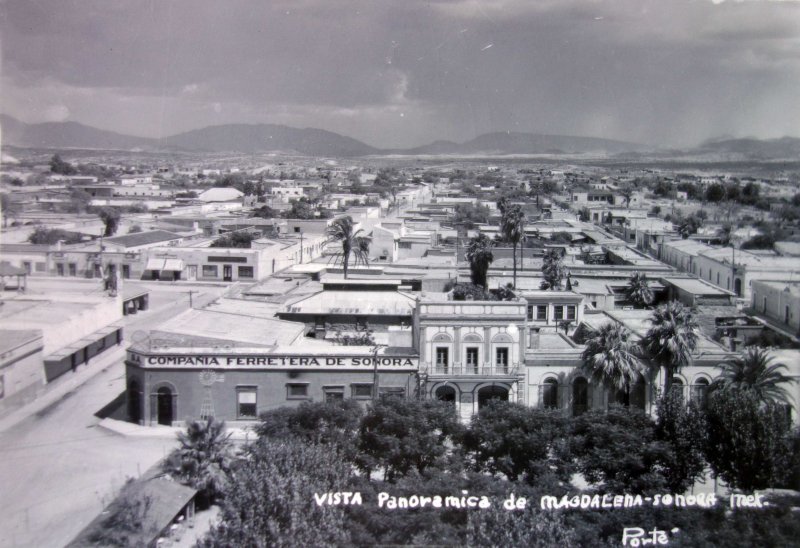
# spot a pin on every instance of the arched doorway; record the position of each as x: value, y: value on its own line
x: 580, y: 396
x: 164, y: 398
x: 134, y: 402
x: 677, y: 386
x: 635, y: 396
x: 549, y: 394
x: 700, y: 392
x: 446, y: 394
x: 488, y: 393
x: 737, y: 286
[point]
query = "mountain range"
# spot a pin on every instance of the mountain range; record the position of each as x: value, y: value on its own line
x: 260, y: 138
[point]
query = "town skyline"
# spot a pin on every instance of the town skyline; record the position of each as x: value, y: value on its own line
x: 671, y: 74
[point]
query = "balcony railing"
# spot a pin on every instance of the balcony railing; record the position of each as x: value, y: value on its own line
x: 472, y: 370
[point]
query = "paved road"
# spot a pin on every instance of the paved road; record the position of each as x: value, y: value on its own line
x: 58, y: 469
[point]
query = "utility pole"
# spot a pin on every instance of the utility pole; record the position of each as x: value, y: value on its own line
x: 191, y: 304
x: 301, y: 248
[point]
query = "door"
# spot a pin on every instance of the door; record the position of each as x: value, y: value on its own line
x: 227, y: 273
x: 191, y: 272
x: 164, y: 406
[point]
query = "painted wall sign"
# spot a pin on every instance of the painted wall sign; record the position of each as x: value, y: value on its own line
x: 245, y: 361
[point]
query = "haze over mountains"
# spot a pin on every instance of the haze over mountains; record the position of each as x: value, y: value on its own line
x: 259, y: 138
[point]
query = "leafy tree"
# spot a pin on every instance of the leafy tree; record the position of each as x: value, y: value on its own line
x: 752, y: 372
x: 512, y: 227
x: 353, y: 243
x: 203, y: 458
x: 610, y: 357
x: 516, y: 441
x: 585, y: 215
x: 270, y: 499
x: 671, y: 339
x: 531, y: 527
x: 470, y: 215
x: 617, y: 451
x: 301, y: 209
x: 715, y: 192
x: 57, y: 165
x: 683, y: 428
x: 328, y: 423
x: 689, y: 226
x: 638, y: 290
x: 266, y: 212
x: 8, y: 208
x: 749, y: 441
x: 561, y: 238
x: 398, y: 436
x: 135, y: 229
x: 79, y: 200
x: 479, y: 255
x: 553, y: 270
x: 110, y: 217
x: 235, y: 180
x: 470, y: 292
x: 242, y: 240
x: 51, y: 236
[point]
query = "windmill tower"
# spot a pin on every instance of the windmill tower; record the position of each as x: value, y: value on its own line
x: 208, y: 378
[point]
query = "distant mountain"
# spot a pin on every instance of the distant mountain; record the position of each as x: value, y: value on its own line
x: 767, y: 149
x: 269, y: 137
x: 254, y: 138
x: 65, y: 135
x: 528, y: 143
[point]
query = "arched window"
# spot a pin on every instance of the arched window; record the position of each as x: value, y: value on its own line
x: 700, y: 392
x: 488, y: 393
x: 549, y: 394
x: 580, y: 396
x: 677, y: 386
x: 446, y: 393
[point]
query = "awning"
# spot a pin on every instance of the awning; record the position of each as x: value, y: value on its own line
x: 155, y: 264
x: 175, y: 265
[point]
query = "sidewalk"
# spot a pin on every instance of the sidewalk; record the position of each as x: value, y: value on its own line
x: 55, y: 390
x: 128, y: 429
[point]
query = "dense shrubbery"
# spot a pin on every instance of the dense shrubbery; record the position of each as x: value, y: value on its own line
x: 277, y: 493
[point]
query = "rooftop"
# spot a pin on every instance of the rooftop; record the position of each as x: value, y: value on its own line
x: 695, y: 286
x: 11, y: 339
x: 143, y: 238
x: 367, y: 303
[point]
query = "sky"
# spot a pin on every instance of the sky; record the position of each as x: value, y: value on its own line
x: 406, y: 73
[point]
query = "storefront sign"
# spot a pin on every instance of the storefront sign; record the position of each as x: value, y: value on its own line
x: 277, y: 361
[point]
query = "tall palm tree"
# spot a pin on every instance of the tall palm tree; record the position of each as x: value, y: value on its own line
x: 638, y: 290
x: 353, y: 242
x: 553, y: 269
x: 480, y: 256
x: 753, y: 372
x: 512, y: 226
x: 203, y: 458
x: 610, y: 357
x: 671, y: 339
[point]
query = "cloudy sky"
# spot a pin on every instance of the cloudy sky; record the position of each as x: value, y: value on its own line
x: 408, y: 72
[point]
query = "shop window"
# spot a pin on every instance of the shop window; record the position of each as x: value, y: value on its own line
x: 296, y: 391
x: 247, y: 407
x: 60, y: 269
x: 245, y: 271
x: 404, y: 245
x: 558, y: 312
x: 531, y: 309
x: 362, y: 391
x: 209, y: 271
x: 72, y: 269
x: 541, y: 312
x: 571, y: 312
x: 333, y: 393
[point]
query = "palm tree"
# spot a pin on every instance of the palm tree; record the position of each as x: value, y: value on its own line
x: 553, y: 269
x: 610, y: 357
x: 203, y: 458
x: 480, y: 256
x: 753, y: 372
x: 671, y: 339
x: 512, y: 226
x: 353, y: 243
x: 638, y: 290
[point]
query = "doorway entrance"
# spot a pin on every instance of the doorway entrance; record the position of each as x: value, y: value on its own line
x: 227, y: 273
x: 164, y: 406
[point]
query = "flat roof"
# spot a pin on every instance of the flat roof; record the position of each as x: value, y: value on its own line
x: 239, y: 327
x: 370, y: 303
x: 11, y: 339
x: 695, y: 286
